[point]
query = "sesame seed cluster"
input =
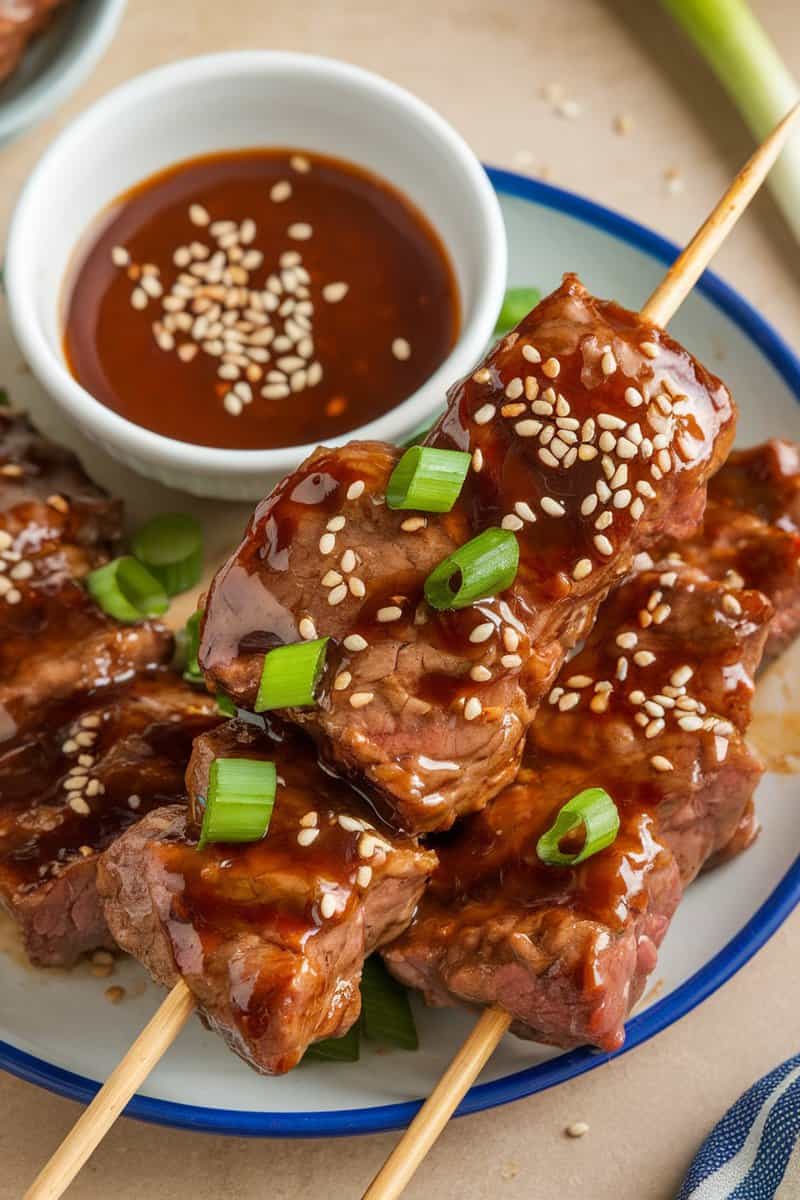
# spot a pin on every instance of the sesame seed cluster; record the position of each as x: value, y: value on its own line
x: 535, y: 409
x: 371, y: 850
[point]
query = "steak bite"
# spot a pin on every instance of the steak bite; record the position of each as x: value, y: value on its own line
x: 269, y: 936
x: 68, y: 788
x: 751, y: 532
x: 654, y: 710
x: 591, y: 435
x: 55, y: 526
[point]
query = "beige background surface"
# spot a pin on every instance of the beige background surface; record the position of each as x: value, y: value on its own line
x: 482, y: 63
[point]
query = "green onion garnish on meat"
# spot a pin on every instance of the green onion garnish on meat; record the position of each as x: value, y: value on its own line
x: 596, y: 812
x: 241, y: 796
x: 225, y: 705
x: 386, y: 1012
x: 171, y: 547
x: 482, y: 567
x: 191, y: 641
x: 517, y: 303
x: 290, y: 675
x: 427, y: 479
x: 126, y: 590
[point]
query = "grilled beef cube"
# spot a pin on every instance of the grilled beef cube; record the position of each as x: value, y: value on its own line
x: 55, y: 526
x: 654, y: 710
x: 269, y: 936
x: 751, y: 532
x: 19, y: 24
x: 592, y: 435
x: 68, y: 788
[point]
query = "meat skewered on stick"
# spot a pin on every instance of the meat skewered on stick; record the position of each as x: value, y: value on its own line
x: 171, y: 1017
x: 494, y: 1023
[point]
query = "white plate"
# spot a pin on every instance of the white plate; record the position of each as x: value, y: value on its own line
x: 57, y: 1029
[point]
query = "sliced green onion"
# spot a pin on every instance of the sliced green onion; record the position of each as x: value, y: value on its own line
x: 241, y: 796
x: 225, y: 705
x: 171, y: 547
x: 427, y: 479
x: 341, y: 1049
x: 482, y: 567
x: 126, y: 590
x: 517, y: 303
x: 597, y: 812
x: 191, y: 637
x: 290, y: 675
x: 385, y: 1010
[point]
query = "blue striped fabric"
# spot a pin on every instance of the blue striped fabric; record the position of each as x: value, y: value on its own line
x: 754, y: 1151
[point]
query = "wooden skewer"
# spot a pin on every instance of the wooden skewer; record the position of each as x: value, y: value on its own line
x: 159, y: 1034
x: 476, y: 1051
x: 154, y: 1041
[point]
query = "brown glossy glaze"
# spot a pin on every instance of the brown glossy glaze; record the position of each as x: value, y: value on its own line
x: 19, y: 24
x: 270, y: 936
x: 643, y: 424
x: 364, y: 234
x: 567, y: 950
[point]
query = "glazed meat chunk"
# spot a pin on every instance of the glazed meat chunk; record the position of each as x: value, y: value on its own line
x: 269, y: 936
x: 654, y: 710
x: 591, y: 436
x: 20, y: 22
x: 69, y: 787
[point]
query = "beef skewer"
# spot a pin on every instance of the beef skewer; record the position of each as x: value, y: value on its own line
x: 423, y: 1131
x: 109, y: 1102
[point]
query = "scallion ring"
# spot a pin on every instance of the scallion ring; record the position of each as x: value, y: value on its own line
x: 596, y: 812
x: 241, y: 796
x: 290, y: 675
x: 126, y: 590
x: 427, y: 479
x: 171, y: 547
x: 482, y: 567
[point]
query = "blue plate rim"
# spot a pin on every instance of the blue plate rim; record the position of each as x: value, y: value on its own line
x: 750, y: 938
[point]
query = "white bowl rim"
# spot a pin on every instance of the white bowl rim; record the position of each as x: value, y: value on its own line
x: 105, y: 424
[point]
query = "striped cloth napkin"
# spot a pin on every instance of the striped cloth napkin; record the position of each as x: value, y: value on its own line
x: 754, y: 1152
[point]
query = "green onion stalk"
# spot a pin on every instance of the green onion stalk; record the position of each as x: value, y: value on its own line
x: 749, y: 67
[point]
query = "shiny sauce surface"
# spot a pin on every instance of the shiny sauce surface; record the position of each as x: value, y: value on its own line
x: 258, y: 299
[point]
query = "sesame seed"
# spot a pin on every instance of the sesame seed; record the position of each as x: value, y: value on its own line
x: 360, y: 699
x: 627, y: 641
x: 622, y: 668
x: 510, y: 638
x: 139, y: 298
x: 607, y: 442
x: 356, y: 489
x: 232, y: 404
x: 527, y: 428
x: 327, y: 543
x: 604, y: 520
x: 484, y: 414
x: 327, y: 906
x: 608, y: 363
x: 531, y: 387
x: 582, y: 568
x: 472, y: 709
x: 637, y: 508
x: 336, y: 523
x: 633, y: 397
x: 120, y: 256
x: 650, y: 349
x: 79, y: 806
x: 644, y: 658
x: 350, y: 824
x: 579, y: 681
x: 609, y: 421
x: 330, y: 579
x: 552, y: 507
x: 602, y: 544
x: 514, y: 389
x: 547, y: 458
x: 348, y: 561
x: 661, y: 613
x: 390, y: 613
x: 531, y: 353
x: 681, y: 676
x: 555, y: 695
x: 364, y: 876
x: 355, y: 643
x: 337, y: 594
x: 599, y: 703
x: 626, y: 448
x: 307, y: 629
x: 577, y: 1129
x: 622, y: 498
x: 307, y: 836
x: 401, y: 349
x: 357, y: 587
x: 511, y: 522
x: 309, y: 820
x: 524, y: 510
x: 477, y: 460
x: 568, y: 701
x: 299, y: 163
x: 480, y: 674
x: 482, y: 632
x: 551, y: 368
x: 690, y: 723
x: 660, y: 763
x: 482, y: 375
x: 23, y: 570
x: 589, y: 504
x: 512, y: 410
x: 511, y: 661
x: 729, y: 603
x: 654, y: 709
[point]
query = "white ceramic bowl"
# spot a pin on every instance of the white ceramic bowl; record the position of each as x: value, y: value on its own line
x: 231, y: 101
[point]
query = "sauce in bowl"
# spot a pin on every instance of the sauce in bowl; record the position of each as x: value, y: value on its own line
x: 259, y: 299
